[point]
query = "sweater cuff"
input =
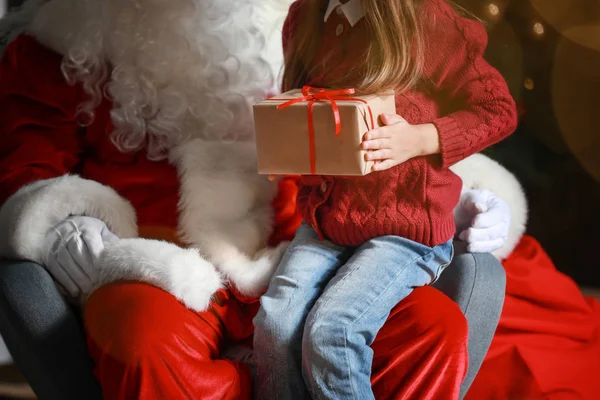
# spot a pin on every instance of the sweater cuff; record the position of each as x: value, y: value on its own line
x: 452, y: 143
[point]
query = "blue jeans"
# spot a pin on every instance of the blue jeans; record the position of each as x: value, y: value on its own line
x: 324, y: 307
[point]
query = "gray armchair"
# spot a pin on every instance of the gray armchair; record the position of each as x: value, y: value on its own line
x: 45, y: 336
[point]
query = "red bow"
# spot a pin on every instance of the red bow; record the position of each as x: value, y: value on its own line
x: 312, y: 95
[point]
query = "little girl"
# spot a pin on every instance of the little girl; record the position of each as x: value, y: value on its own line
x: 368, y: 241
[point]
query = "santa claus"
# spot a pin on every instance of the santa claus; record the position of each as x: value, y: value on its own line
x: 127, y: 154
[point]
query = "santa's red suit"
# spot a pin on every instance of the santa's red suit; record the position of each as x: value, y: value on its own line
x: 144, y: 342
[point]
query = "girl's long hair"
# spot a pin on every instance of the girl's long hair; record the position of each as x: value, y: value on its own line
x: 393, y: 59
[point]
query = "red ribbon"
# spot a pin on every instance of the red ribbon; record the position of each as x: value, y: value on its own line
x: 312, y: 95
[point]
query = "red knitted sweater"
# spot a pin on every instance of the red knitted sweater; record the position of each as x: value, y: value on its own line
x: 461, y: 94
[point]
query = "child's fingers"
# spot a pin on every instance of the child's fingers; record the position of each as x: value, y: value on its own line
x: 383, y: 165
x: 378, y: 155
x: 390, y: 119
x: 376, y: 144
x: 378, y: 133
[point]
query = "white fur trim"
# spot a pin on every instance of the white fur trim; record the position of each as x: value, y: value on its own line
x: 16, y: 22
x: 226, y: 210
x: 223, y: 57
x: 56, y: 23
x: 481, y: 172
x: 251, y: 277
x: 30, y: 213
x: 181, y: 272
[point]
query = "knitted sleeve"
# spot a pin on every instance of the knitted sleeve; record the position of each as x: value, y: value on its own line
x: 287, y: 218
x: 483, y: 110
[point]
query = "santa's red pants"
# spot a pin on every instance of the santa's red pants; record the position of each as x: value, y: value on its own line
x: 147, y: 345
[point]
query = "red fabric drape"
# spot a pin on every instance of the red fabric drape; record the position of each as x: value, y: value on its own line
x: 547, y: 345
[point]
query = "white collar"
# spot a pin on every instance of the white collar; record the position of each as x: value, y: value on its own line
x: 352, y: 10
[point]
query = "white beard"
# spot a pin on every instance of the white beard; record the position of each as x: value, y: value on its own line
x: 182, y: 69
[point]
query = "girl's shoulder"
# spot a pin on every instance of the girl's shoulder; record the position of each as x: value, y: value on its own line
x: 450, y: 39
x: 441, y: 8
x: 442, y: 20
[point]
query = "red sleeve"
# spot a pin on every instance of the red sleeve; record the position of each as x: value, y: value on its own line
x: 38, y: 129
x: 287, y: 218
x: 484, y: 111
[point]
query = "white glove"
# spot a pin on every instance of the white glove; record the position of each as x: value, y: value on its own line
x: 482, y: 220
x: 71, y: 252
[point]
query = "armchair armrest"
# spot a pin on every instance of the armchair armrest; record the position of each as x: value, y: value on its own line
x: 44, y: 334
x: 477, y: 283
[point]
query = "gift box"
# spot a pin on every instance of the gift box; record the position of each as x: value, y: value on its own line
x: 316, y: 131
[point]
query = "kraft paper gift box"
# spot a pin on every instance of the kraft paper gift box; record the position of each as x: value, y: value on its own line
x: 285, y: 145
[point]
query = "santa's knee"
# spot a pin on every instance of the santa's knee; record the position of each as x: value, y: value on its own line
x: 133, y: 323
x: 436, y: 318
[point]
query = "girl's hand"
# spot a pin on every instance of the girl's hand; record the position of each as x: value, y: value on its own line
x: 399, y: 141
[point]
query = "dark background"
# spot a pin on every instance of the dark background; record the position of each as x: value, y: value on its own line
x: 554, y: 74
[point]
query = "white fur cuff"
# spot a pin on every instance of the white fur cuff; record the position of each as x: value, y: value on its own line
x: 29, y: 214
x: 181, y: 272
x: 251, y: 277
